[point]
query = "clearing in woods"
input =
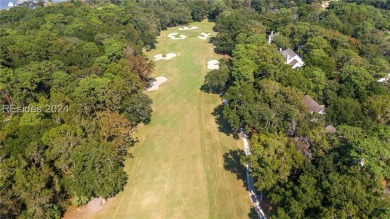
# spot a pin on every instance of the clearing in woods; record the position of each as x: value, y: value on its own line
x: 179, y: 167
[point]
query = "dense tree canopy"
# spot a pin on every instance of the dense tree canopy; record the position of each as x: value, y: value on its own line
x: 83, y: 66
x: 308, y: 171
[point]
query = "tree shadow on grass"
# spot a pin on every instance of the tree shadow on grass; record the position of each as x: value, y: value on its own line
x: 223, y: 125
x: 205, y: 88
x: 232, y: 163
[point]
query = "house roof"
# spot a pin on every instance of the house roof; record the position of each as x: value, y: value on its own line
x: 293, y: 62
x: 312, y: 105
x: 330, y: 129
x: 289, y: 53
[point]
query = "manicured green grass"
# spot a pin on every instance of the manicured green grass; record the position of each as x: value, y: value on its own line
x: 178, y: 166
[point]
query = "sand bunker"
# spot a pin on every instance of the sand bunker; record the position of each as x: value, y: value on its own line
x: 204, y: 36
x: 188, y: 28
x: 168, y: 56
x: 174, y: 37
x: 155, y: 85
x: 213, y: 64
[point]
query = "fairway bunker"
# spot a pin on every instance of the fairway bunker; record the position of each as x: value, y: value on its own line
x: 155, y: 85
x: 213, y: 64
x: 188, y: 28
x: 175, y: 37
x: 204, y: 36
x: 160, y: 56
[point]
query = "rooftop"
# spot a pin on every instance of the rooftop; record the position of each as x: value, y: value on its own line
x: 289, y: 53
x: 312, y: 105
x: 330, y: 129
x: 293, y: 62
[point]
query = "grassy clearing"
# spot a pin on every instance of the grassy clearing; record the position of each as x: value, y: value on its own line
x: 178, y: 169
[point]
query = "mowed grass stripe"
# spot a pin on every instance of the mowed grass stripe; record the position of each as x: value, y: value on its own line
x: 178, y: 166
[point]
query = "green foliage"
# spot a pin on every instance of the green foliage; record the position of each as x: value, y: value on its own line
x: 243, y: 70
x: 305, y: 171
x: 91, y: 91
x: 199, y: 10
x: 216, y: 8
x: 345, y: 111
x: 113, y: 49
x: 319, y: 58
x: 89, y: 62
x: 96, y: 171
x: 79, y: 200
x: 354, y: 16
x: 369, y: 152
x: 217, y: 79
x: 137, y: 109
x: 378, y: 108
x: 272, y: 159
x: 262, y: 110
x: 31, y: 187
x: 60, y: 142
x: 230, y: 25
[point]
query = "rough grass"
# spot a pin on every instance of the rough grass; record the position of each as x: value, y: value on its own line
x: 178, y: 169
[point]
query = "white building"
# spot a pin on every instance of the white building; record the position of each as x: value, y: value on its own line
x: 292, y: 58
x: 384, y: 79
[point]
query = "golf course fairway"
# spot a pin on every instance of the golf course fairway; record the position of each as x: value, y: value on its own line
x: 178, y: 169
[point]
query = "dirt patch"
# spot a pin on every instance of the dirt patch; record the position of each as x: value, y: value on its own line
x: 94, y: 205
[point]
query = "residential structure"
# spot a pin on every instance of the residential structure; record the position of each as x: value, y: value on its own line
x: 385, y: 78
x: 292, y: 58
x: 330, y: 129
x: 271, y: 37
x: 313, y: 106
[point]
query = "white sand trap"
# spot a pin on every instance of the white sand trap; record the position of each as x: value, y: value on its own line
x: 204, y: 36
x: 156, y: 84
x: 213, y: 64
x: 168, y: 56
x: 174, y: 37
x: 188, y: 28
